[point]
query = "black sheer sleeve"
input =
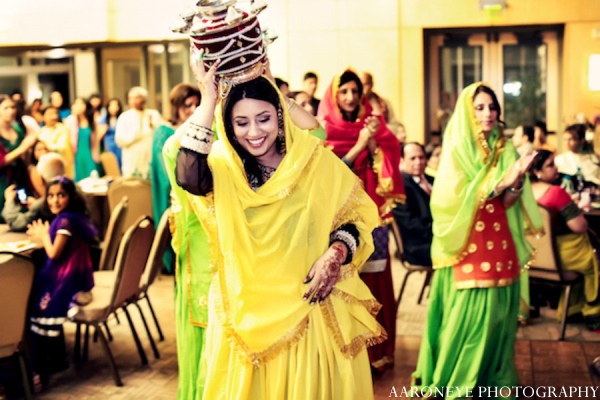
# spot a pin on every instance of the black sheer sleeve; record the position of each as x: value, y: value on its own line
x: 192, y: 172
x: 347, y: 234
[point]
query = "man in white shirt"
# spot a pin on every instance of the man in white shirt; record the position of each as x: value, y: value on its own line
x: 134, y: 131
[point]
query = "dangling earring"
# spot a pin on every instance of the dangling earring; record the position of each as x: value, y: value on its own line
x: 281, y: 132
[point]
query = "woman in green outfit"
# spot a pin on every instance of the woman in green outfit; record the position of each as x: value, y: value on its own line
x: 13, y: 144
x: 481, y: 205
x: 184, y: 99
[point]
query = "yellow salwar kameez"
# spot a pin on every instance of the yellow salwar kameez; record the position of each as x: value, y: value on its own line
x: 263, y: 341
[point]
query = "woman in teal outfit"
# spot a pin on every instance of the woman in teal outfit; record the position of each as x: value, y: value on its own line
x: 83, y: 138
x: 482, y: 205
x: 184, y: 99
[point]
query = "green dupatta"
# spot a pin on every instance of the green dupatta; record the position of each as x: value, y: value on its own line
x: 470, y: 169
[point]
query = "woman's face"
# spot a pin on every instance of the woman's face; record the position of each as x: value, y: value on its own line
x: 255, y: 127
x: 78, y: 107
x: 113, y: 107
x: 303, y: 100
x: 347, y: 97
x: 39, y: 150
x: 401, y: 134
x: 51, y: 117
x: 57, y: 199
x: 485, y: 111
x: 549, y: 171
x: 8, y: 111
x: 187, y: 109
x: 434, y: 159
x: 572, y: 143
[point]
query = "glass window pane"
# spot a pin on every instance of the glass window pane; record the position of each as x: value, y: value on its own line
x: 524, y: 84
x: 459, y: 67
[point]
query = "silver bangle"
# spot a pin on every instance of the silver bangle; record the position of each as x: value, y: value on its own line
x: 196, y: 131
x: 514, y: 192
x: 198, y: 146
x: 347, y: 238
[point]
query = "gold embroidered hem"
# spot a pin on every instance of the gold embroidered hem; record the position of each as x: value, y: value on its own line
x: 486, y: 284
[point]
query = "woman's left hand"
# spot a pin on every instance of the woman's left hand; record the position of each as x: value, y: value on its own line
x: 325, y: 273
x: 38, y: 229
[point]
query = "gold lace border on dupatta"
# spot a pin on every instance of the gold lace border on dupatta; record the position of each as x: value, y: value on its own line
x: 293, y: 336
x: 385, y: 186
x: 360, y: 342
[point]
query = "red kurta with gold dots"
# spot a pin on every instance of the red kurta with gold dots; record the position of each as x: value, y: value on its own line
x: 490, y: 257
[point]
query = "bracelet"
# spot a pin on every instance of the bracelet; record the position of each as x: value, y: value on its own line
x: 198, y: 146
x: 514, y: 192
x: 196, y: 131
x: 291, y: 105
x: 345, y: 238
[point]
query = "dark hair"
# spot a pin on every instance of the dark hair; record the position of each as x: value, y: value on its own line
x: 538, y: 163
x: 487, y: 90
x: 177, y: 97
x: 577, y: 130
x: 257, y: 89
x: 310, y: 75
x: 96, y: 96
x: 414, y: 143
x: 32, y: 160
x: 542, y: 125
x: 88, y: 113
x: 349, y: 76
x: 280, y: 82
x: 120, y: 107
x: 76, y: 200
x: 528, y: 131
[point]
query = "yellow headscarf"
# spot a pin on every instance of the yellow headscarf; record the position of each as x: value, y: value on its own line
x: 264, y: 242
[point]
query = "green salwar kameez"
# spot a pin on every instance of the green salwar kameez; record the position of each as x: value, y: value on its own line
x: 192, y: 278
x: 475, y: 297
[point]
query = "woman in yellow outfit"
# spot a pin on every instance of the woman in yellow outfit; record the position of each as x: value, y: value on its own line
x: 289, y: 226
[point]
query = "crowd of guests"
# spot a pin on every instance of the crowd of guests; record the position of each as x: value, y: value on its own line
x: 46, y: 150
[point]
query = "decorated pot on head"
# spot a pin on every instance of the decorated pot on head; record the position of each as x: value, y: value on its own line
x: 227, y: 33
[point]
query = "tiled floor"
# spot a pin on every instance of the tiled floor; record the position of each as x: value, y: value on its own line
x: 541, y: 361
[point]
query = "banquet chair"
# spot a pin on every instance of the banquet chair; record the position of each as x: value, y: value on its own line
x: 16, y: 281
x: 114, y: 232
x: 129, y: 267
x: 546, y: 267
x: 110, y: 164
x: 410, y: 268
x: 139, y: 193
x: 154, y: 265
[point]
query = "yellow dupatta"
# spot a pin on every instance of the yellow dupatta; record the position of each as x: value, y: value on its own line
x: 264, y: 242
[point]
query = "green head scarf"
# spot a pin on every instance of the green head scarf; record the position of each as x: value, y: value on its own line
x: 470, y: 169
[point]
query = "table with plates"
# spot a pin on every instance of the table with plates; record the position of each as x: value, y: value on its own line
x: 17, y: 242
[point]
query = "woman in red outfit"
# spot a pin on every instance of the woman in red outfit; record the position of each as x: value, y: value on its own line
x: 362, y: 140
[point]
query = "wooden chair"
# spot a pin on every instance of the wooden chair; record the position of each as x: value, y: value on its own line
x: 410, y: 268
x: 110, y: 164
x: 546, y: 267
x: 16, y: 280
x: 114, y: 232
x: 129, y: 267
x: 139, y: 193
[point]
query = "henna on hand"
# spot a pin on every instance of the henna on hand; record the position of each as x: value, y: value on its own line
x: 327, y: 272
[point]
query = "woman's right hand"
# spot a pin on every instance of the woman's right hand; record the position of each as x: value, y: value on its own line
x: 206, y: 80
x: 518, y: 169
